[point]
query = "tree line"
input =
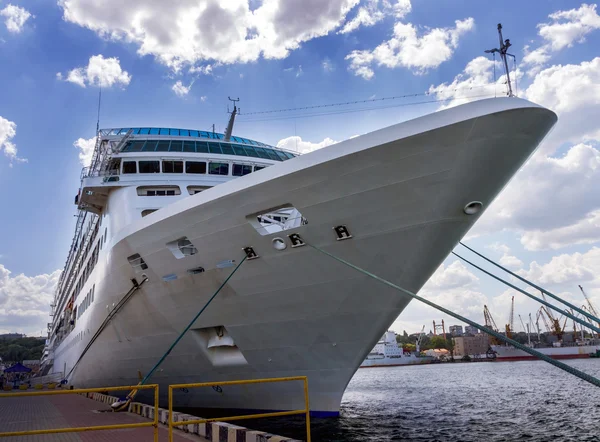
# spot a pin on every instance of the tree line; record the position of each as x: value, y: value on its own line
x: 20, y: 349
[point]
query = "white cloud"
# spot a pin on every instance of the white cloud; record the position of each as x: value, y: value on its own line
x: 551, y: 183
x: 296, y: 144
x: 583, y: 231
x: 25, y: 301
x: 190, y: 32
x: 327, y: 65
x: 475, y: 81
x: 8, y: 130
x: 203, y: 98
x: 511, y: 262
x: 567, y: 271
x: 373, y: 11
x: 204, y: 70
x: 86, y: 150
x: 181, y: 90
x: 100, y: 71
x: 568, y: 27
x: 564, y: 29
x: 15, y: 17
x: 507, y: 260
x: 406, y: 48
x: 450, y: 277
x: 567, y: 88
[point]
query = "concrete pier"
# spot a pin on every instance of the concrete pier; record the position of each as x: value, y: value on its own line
x: 70, y: 411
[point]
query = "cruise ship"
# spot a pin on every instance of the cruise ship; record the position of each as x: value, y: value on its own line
x: 165, y: 214
x: 387, y: 353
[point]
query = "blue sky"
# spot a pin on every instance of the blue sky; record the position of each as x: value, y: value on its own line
x: 55, y: 54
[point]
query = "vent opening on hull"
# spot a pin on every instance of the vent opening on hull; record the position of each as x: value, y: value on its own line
x: 137, y: 262
x: 182, y: 247
x: 218, y: 346
x: 277, y: 219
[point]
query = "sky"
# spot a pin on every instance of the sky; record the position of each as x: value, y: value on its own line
x: 173, y: 64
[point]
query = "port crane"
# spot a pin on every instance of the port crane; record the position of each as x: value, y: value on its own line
x: 591, y: 307
x: 510, y: 327
x: 490, y: 323
x: 555, y: 327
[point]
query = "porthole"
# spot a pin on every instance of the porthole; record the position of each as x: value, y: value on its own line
x: 279, y: 244
x: 473, y: 207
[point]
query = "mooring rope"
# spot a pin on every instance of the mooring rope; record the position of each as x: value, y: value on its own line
x: 552, y: 295
x: 121, y: 405
x: 535, y: 298
x: 584, y: 376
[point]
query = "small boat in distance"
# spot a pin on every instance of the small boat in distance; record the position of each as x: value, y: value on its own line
x: 387, y: 353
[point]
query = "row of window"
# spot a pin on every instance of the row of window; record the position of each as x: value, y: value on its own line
x: 87, y: 301
x: 183, y: 133
x: 206, y: 147
x: 193, y: 167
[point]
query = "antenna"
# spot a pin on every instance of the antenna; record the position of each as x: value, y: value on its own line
x: 98, y: 120
x: 231, y: 118
x: 504, y: 45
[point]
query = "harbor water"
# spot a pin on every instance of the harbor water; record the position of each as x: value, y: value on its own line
x: 491, y: 401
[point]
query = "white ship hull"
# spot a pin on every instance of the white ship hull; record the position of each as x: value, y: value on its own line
x: 395, y: 362
x: 505, y: 353
x: 400, y: 191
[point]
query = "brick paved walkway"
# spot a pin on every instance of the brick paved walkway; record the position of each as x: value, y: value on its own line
x: 67, y: 411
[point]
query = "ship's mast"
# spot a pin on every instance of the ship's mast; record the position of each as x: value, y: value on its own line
x: 231, y: 119
x: 504, y: 45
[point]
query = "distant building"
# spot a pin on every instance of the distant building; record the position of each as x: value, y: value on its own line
x: 470, y: 330
x: 471, y: 345
x: 456, y: 330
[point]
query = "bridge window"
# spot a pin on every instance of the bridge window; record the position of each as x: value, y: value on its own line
x: 176, y: 146
x: 250, y: 151
x: 129, y: 167
x: 172, y: 166
x: 227, y: 149
x: 195, y: 167
x: 241, y: 169
x: 218, y: 168
x: 150, y: 146
x: 149, y: 167
x: 137, y: 146
x: 214, y: 148
x: 258, y: 168
x: 163, y: 146
x: 189, y: 146
x: 201, y: 146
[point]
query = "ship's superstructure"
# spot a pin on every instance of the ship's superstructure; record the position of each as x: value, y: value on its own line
x: 164, y: 165
x: 165, y: 214
x: 387, y: 353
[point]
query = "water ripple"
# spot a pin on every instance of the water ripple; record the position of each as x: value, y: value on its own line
x: 493, y: 401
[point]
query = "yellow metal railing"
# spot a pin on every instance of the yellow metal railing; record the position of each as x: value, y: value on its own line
x: 306, y: 410
x: 80, y: 429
